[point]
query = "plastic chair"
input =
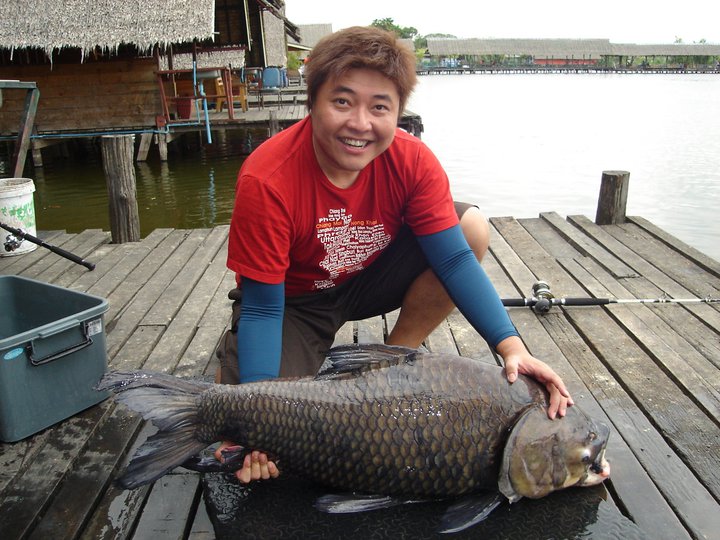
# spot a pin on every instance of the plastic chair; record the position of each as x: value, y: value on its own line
x: 271, y: 84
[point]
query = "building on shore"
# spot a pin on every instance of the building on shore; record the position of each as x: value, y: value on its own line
x: 479, y: 53
x: 104, y: 68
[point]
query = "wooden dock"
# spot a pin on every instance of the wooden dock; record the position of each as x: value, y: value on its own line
x: 651, y: 372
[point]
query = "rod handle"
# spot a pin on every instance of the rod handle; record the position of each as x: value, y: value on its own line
x: 584, y: 301
x: 70, y: 256
x: 516, y: 302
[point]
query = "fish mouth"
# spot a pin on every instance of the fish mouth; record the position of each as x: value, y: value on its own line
x: 598, y: 472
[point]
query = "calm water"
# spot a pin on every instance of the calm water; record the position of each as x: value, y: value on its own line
x: 516, y: 145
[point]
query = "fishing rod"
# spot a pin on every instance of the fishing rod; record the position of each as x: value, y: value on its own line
x: 543, y: 299
x: 13, y: 241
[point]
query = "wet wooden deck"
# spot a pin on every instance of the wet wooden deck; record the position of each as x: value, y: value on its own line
x: 652, y: 372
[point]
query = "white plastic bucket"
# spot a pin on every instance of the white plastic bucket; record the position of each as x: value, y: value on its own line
x: 17, y: 209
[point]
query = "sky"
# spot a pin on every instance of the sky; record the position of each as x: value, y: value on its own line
x: 620, y: 21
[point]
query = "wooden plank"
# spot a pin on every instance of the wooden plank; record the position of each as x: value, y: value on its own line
x: 81, y: 244
x: 660, y: 280
x: 137, y: 348
x: 133, y: 255
x: 345, y: 335
x: 580, y: 243
x: 202, y: 527
x: 151, y: 281
x: 76, y: 273
x: 87, y: 480
x: 173, y: 500
x: 629, y: 481
x: 539, y: 261
x: 18, y: 456
x: 694, y: 330
x: 116, y: 515
x: 27, y: 123
x: 29, y: 493
x: 698, y: 257
x: 118, y: 512
x: 199, y: 357
x: 537, y: 258
x: 19, y: 264
x: 669, y: 261
x: 191, y: 299
x: 441, y: 340
x: 638, y: 494
x: 178, y: 289
x: 694, y: 436
x: 696, y: 374
x: 371, y: 330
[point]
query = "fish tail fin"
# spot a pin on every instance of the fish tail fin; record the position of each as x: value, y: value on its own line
x: 171, y: 404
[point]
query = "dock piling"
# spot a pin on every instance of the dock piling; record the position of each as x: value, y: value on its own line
x: 612, y: 201
x: 117, y: 153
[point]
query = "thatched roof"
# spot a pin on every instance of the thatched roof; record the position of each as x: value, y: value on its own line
x: 559, y: 48
x: 87, y: 24
x: 277, y: 8
x: 562, y: 48
x: 672, y: 49
x: 228, y: 57
x: 310, y: 34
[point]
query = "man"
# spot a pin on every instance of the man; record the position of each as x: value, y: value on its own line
x: 342, y: 217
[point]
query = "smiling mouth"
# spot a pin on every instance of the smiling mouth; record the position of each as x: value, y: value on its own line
x: 355, y: 143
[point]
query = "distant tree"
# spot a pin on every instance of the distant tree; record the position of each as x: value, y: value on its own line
x: 401, y: 31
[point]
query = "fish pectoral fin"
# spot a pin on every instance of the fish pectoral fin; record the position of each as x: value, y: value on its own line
x: 348, y: 360
x: 350, y: 503
x: 469, y: 511
x: 206, y: 462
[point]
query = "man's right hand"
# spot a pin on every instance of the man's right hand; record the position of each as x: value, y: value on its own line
x: 256, y: 465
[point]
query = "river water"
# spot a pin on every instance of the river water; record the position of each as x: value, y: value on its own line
x: 515, y: 144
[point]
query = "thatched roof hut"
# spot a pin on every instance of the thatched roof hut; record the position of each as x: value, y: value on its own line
x: 588, y: 48
x: 562, y: 48
x: 101, y: 65
x: 310, y: 34
x: 90, y: 25
x: 669, y: 49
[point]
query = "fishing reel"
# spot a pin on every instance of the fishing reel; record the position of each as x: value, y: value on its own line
x: 12, y: 242
x: 542, y: 297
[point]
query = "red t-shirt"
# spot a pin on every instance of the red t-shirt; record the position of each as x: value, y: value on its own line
x: 291, y: 224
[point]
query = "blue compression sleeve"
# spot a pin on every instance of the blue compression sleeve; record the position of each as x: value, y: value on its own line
x: 467, y: 284
x: 260, y: 330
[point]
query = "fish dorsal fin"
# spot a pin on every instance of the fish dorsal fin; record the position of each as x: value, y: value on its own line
x: 350, y: 360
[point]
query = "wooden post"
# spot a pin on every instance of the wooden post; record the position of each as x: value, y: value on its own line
x: 273, y: 124
x: 117, y: 152
x: 26, y: 127
x: 612, y: 201
x: 144, y: 147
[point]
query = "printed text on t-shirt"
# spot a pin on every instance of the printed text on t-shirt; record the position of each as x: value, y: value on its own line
x: 348, y: 243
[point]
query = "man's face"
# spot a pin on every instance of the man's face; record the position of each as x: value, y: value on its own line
x: 353, y: 118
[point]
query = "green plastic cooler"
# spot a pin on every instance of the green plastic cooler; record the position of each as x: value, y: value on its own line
x: 52, y: 353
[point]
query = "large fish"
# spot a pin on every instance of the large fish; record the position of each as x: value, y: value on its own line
x: 391, y: 422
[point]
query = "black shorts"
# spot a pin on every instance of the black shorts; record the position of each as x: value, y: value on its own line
x: 311, y: 321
